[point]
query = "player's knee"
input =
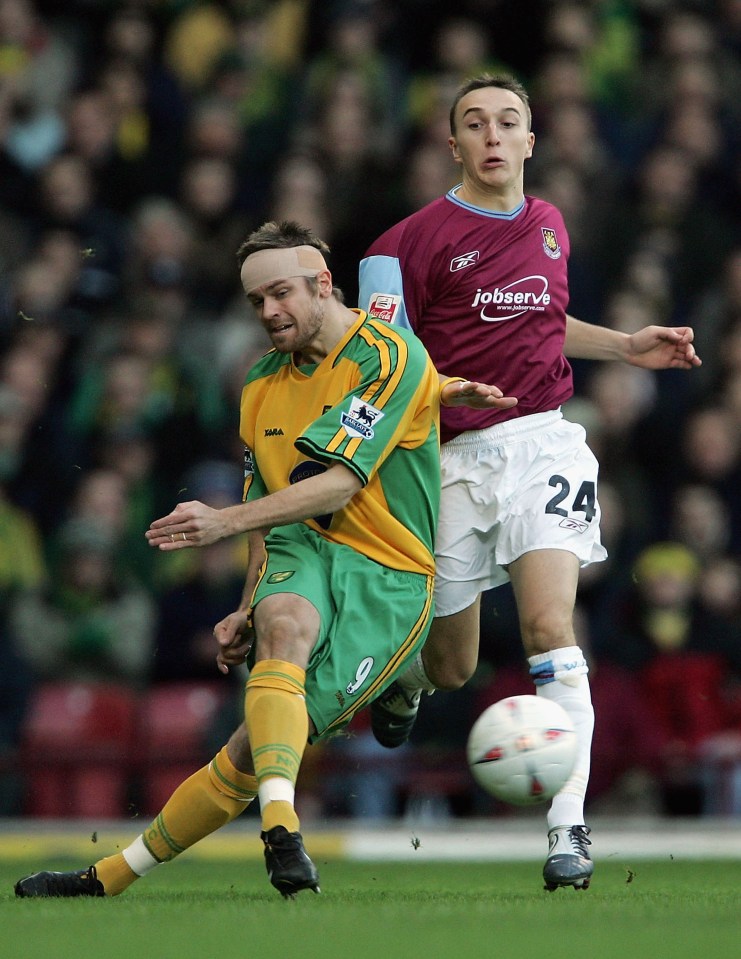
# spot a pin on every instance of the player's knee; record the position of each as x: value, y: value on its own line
x: 447, y: 672
x: 283, y: 637
x: 544, y: 632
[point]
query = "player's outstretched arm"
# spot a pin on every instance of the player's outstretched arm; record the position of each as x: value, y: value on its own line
x: 477, y: 396
x: 653, y: 348
x: 195, y: 524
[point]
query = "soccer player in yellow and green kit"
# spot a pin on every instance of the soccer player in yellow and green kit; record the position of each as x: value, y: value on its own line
x: 342, y: 482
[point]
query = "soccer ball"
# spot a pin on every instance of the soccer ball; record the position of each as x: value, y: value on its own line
x: 522, y: 749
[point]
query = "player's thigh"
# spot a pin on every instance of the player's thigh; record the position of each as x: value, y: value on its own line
x: 552, y: 497
x: 381, y: 617
x: 465, y: 546
x: 544, y: 583
x: 292, y: 606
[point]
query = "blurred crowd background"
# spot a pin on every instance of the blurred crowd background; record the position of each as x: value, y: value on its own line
x: 139, y: 143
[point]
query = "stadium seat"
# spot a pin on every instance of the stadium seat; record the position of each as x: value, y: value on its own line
x: 77, y: 750
x: 175, y: 722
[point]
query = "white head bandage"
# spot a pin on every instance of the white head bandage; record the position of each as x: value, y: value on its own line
x: 267, y: 266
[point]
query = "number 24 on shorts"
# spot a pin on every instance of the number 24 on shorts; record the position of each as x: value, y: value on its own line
x: 584, y: 501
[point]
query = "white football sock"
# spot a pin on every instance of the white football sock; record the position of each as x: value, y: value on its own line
x: 561, y: 675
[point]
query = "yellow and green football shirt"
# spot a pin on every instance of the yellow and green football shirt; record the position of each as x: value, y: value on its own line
x: 371, y: 404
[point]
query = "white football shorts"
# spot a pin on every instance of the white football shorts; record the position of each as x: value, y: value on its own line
x: 526, y: 484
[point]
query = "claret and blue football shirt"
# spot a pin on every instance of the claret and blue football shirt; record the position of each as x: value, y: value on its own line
x: 486, y: 292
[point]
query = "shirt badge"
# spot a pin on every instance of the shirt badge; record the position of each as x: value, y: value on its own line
x: 359, y: 421
x: 384, y: 306
x: 550, y: 242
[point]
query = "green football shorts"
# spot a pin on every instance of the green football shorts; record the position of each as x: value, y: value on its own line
x: 372, y: 619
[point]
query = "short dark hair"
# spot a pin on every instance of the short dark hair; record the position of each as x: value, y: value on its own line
x: 501, y: 82
x: 280, y: 236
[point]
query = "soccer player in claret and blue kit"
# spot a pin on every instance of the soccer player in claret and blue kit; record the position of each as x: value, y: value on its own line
x: 480, y: 275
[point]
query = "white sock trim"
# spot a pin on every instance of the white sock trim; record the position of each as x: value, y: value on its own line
x: 276, y: 789
x: 140, y: 859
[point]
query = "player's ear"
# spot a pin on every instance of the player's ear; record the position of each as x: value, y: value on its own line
x: 324, y: 281
x: 531, y: 142
x: 454, y: 149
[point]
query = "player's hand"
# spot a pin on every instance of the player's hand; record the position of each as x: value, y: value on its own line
x: 235, y: 637
x: 189, y: 524
x: 663, y: 348
x: 477, y: 396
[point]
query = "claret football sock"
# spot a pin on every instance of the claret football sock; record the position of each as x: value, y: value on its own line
x: 278, y: 727
x: 210, y: 798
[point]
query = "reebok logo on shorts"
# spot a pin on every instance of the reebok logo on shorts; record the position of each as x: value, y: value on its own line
x: 577, y: 525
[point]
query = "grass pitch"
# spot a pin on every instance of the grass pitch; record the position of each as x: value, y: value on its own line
x: 208, y: 910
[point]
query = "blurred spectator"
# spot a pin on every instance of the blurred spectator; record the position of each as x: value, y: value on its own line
x: 301, y: 192
x: 700, y: 520
x: 715, y: 311
x: 623, y: 397
x: 38, y: 68
x: 67, y: 201
x: 460, y: 48
x: 605, y: 38
x: 161, y: 247
x: 132, y: 36
x: 676, y: 649
x: 22, y: 564
x: 98, y: 626
x: 711, y: 454
x: 16, y: 684
x: 208, y: 588
x: 208, y: 195
x: 664, y: 212
x: 353, y: 64
x: 622, y: 537
x: 197, y: 37
x: 93, y: 134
